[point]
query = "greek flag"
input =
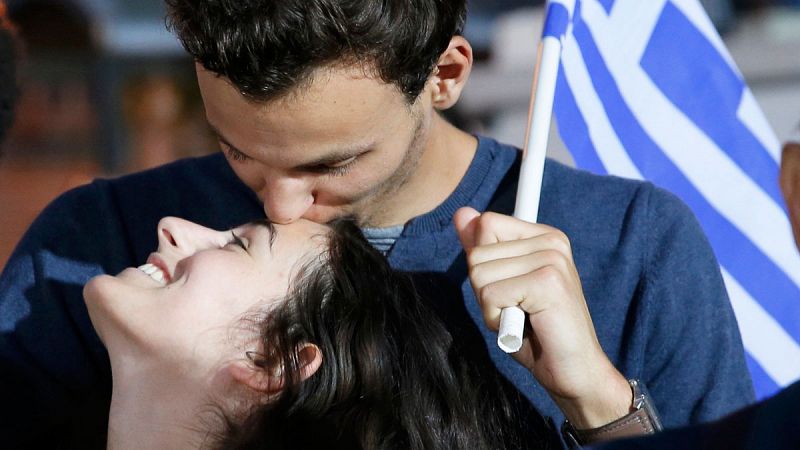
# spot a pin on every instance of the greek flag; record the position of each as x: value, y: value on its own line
x: 647, y: 90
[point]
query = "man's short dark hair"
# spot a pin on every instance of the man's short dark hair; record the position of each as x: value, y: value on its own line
x: 267, y: 47
x: 8, y: 69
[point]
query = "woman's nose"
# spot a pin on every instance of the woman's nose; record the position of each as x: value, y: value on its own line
x: 186, y: 238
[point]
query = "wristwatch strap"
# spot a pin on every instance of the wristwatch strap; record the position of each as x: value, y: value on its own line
x: 643, y: 419
x: 636, y: 423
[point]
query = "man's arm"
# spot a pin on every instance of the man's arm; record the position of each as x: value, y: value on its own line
x: 54, y: 372
x: 694, y: 363
x: 515, y: 263
x: 676, y: 297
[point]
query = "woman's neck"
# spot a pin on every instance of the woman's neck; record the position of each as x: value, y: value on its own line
x: 150, y: 411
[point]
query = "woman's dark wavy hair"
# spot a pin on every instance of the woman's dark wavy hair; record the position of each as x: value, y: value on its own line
x: 391, y: 375
x: 267, y: 47
x: 8, y: 68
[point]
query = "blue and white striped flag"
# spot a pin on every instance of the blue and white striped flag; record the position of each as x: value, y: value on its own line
x: 647, y: 90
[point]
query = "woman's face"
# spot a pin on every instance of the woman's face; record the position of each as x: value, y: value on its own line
x: 185, y: 306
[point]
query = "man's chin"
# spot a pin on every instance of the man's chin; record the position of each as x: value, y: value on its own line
x: 363, y: 215
x: 331, y: 214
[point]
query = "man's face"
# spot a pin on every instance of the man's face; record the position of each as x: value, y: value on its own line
x: 342, y: 144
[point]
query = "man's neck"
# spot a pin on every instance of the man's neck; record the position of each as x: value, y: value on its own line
x: 445, y: 160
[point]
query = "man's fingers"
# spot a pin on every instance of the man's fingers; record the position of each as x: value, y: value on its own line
x: 476, y: 229
x: 466, y: 221
x: 532, y: 292
x: 495, y: 270
x: 551, y: 240
x: 493, y: 227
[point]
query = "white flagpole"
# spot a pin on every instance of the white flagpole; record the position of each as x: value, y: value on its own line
x: 529, y: 189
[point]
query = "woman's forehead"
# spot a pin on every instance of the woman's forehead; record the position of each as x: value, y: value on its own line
x: 299, y: 231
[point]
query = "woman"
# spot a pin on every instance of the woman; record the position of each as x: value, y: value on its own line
x: 290, y: 336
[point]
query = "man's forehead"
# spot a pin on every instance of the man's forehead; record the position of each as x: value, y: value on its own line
x: 317, y: 85
x: 341, y: 126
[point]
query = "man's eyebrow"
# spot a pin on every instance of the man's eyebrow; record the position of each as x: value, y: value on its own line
x: 333, y: 157
x: 222, y: 138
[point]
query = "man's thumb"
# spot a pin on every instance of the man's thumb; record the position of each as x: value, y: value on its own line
x: 466, y: 223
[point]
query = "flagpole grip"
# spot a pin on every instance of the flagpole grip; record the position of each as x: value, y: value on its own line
x: 529, y: 188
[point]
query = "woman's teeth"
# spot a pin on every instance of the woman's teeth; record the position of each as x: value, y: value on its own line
x: 154, y: 273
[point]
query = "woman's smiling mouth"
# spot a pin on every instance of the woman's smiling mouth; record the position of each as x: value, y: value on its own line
x: 154, y: 272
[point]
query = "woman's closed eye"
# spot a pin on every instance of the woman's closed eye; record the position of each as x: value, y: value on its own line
x: 238, y: 241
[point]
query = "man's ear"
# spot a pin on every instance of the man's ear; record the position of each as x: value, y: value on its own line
x: 451, y: 74
x: 270, y: 380
x: 790, y: 184
x: 790, y: 169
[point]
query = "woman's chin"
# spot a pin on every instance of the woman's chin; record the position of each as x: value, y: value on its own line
x: 96, y: 295
x: 116, y: 305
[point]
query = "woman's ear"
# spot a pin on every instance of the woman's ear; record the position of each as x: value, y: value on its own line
x: 451, y: 73
x: 310, y: 358
x: 270, y: 380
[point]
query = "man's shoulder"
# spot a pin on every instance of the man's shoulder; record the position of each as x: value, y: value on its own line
x: 582, y: 203
x: 123, y: 212
x: 183, y: 173
x: 191, y: 187
x: 562, y: 180
x: 204, y: 190
x: 569, y: 186
x: 572, y: 196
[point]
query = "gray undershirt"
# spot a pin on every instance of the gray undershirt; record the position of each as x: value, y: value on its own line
x: 383, y: 238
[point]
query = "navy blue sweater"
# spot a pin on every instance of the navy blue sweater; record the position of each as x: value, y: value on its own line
x: 650, y: 279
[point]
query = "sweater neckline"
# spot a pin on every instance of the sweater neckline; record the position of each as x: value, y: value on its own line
x: 442, y: 216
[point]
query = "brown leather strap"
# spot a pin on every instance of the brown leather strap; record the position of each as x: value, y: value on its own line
x: 636, y: 423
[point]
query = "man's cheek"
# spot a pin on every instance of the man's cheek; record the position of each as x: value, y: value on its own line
x: 357, y: 187
x: 251, y: 179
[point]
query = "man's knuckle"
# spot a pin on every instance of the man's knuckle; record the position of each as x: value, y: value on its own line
x: 491, y: 221
x: 478, y: 274
x: 489, y: 293
x: 548, y: 275
x: 558, y: 240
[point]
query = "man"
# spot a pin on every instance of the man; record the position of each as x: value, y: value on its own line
x: 772, y: 424
x: 325, y: 108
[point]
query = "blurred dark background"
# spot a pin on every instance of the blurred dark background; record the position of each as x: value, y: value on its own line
x: 105, y: 89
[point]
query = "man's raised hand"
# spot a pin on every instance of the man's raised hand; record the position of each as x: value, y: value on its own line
x: 516, y: 263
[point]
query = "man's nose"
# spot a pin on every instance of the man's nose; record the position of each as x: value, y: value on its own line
x: 287, y: 199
